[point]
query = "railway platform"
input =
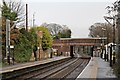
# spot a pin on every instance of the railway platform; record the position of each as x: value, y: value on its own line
x: 30, y: 64
x: 97, y: 68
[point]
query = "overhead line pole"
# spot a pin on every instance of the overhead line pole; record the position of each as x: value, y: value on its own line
x: 118, y: 30
x: 33, y: 19
x: 26, y: 17
x: 112, y: 47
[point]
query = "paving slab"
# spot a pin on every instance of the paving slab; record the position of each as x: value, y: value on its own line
x: 97, y: 68
x: 90, y: 70
x: 104, y: 70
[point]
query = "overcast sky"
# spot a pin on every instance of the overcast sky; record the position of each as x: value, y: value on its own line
x: 78, y: 15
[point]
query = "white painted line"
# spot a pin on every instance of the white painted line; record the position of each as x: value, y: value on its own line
x: 84, y: 69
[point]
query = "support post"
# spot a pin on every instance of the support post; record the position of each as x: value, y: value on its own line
x: 26, y: 17
x: 92, y: 51
x: 71, y: 51
x: 111, y: 55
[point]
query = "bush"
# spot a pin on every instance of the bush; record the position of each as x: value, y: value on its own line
x: 23, y: 49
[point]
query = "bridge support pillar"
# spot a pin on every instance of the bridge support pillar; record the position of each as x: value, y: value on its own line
x: 92, y: 51
x: 71, y: 51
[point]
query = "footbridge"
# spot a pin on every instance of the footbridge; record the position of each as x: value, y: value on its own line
x: 72, y: 45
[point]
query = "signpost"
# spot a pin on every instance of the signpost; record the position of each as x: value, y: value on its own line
x: 12, y: 47
x: 8, y: 41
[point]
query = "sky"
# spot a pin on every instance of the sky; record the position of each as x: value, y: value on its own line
x: 78, y: 15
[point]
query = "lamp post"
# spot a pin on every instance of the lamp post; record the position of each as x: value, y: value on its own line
x: 104, y: 42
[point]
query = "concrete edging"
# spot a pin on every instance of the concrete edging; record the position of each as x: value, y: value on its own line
x: 84, y: 69
x: 90, y: 71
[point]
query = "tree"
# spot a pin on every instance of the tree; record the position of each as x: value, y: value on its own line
x: 13, y: 10
x: 58, y: 31
x: 53, y: 28
x: 34, y: 35
x: 114, y: 14
x: 23, y: 48
x: 46, y: 39
x: 66, y: 33
x: 116, y: 9
x: 14, y: 36
x: 26, y: 44
x: 35, y: 41
x: 101, y: 30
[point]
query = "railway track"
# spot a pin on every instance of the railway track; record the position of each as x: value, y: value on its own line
x: 70, y: 71
x: 46, y: 70
x: 56, y: 70
x: 29, y: 70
